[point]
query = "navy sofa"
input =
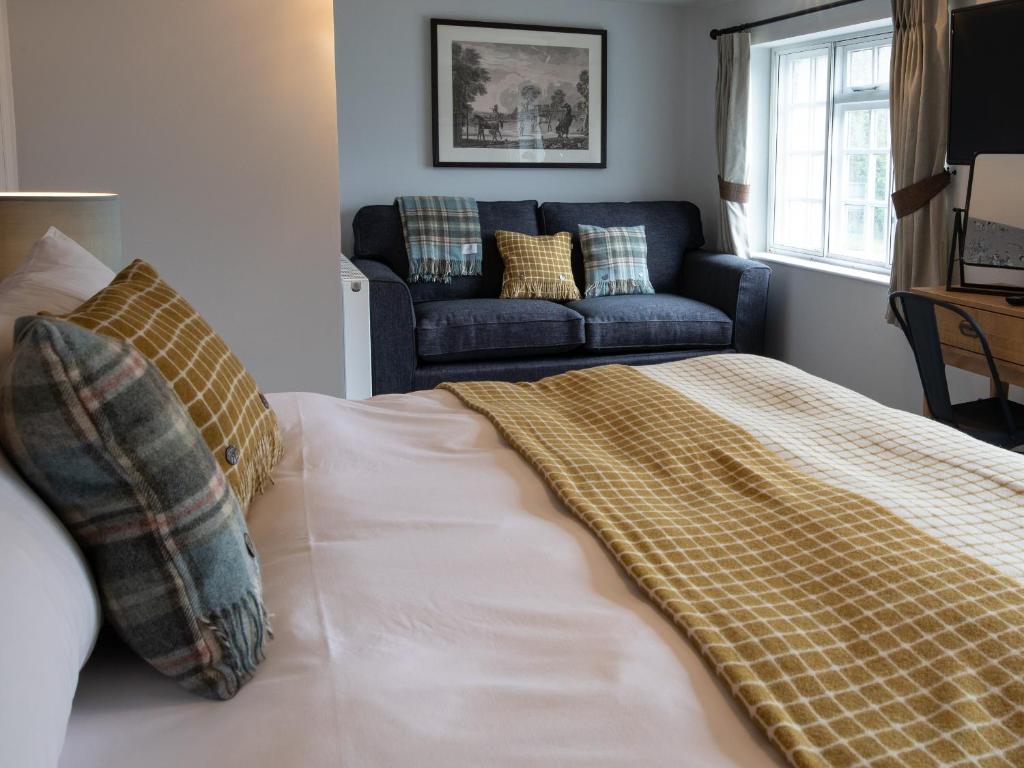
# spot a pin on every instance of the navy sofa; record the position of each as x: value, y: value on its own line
x: 424, y: 333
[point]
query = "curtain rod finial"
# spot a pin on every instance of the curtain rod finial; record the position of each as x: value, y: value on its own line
x: 714, y: 34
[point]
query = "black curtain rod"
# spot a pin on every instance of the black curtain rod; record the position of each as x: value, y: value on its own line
x: 744, y: 27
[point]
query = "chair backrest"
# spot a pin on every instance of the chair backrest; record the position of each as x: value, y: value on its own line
x: 916, y: 316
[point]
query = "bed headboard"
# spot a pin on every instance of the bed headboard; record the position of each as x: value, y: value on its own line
x: 91, y: 219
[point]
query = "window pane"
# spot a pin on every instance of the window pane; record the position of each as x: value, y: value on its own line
x: 881, y: 175
x: 861, y: 69
x: 831, y: 157
x: 879, y: 236
x: 802, y: 225
x: 797, y: 167
x: 856, y: 177
x: 820, y: 125
x: 854, y: 240
x: 821, y: 78
x: 859, y: 206
x: 880, y: 128
x: 882, y: 64
x: 858, y: 129
x: 800, y: 86
x: 802, y: 125
x: 816, y: 174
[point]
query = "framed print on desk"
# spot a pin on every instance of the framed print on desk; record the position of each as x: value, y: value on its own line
x: 988, y: 237
x: 518, y: 96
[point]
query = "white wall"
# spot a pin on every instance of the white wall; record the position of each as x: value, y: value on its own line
x: 216, y: 122
x: 830, y: 325
x: 384, y: 103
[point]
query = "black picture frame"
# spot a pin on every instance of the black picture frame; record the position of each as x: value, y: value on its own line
x: 962, y: 219
x: 445, y: 156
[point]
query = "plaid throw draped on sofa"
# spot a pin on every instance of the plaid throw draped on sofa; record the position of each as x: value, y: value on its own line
x: 442, y: 237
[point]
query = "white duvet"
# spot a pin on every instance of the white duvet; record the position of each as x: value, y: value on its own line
x: 434, y: 605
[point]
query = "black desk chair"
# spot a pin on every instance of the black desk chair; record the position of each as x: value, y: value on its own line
x: 997, y: 420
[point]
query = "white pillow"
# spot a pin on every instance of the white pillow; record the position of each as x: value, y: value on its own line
x: 51, y: 615
x: 57, y: 276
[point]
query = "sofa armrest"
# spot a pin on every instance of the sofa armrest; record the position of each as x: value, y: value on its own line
x: 738, y: 287
x: 392, y: 328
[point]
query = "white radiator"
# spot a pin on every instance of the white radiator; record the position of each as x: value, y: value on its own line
x: 356, y: 383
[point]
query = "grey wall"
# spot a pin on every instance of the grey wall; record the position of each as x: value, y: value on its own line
x: 383, y: 64
x: 215, y: 120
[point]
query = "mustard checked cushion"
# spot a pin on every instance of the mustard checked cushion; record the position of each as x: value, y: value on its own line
x: 537, y: 266
x: 96, y: 430
x: 233, y: 416
x: 615, y: 260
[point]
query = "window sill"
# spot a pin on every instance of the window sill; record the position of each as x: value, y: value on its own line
x: 863, y: 275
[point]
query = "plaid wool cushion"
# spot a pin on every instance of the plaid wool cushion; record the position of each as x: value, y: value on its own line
x: 537, y: 266
x: 97, y: 431
x: 615, y: 260
x: 233, y: 416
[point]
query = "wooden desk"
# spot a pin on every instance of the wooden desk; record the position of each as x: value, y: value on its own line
x: 1003, y: 326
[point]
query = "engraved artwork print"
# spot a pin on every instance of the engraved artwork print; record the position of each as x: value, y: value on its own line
x: 518, y: 96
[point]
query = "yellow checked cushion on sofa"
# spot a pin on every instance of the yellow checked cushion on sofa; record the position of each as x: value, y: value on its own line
x: 234, y: 417
x: 537, y: 266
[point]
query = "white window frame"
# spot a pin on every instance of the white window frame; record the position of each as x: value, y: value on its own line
x: 838, y: 101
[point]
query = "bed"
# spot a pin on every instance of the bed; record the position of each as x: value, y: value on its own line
x: 437, y: 601
x: 435, y: 604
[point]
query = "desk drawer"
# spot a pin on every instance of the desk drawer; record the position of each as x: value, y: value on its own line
x: 1005, y: 333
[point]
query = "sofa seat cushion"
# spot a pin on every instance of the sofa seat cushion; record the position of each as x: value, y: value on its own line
x: 477, y: 329
x: 652, y: 321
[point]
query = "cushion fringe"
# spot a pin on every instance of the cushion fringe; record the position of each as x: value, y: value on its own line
x: 442, y: 270
x: 619, y: 287
x: 239, y: 633
x: 558, y: 290
x: 266, y: 453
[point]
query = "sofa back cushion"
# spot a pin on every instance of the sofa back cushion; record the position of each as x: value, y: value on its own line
x: 378, y: 236
x: 672, y: 227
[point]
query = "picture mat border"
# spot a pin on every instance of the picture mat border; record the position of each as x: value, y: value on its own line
x: 443, y: 100
x: 982, y: 278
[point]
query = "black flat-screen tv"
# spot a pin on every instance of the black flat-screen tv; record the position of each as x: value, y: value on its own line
x: 986, y: 84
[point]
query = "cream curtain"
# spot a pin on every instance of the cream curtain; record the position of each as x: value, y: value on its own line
x: 733, y: 96
x: 920, y: 64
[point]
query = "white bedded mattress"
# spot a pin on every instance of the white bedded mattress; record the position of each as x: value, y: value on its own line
x: 434, y: 605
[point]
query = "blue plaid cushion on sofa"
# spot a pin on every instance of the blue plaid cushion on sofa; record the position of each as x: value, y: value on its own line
x: 615, y: 260
x: 99, y: 433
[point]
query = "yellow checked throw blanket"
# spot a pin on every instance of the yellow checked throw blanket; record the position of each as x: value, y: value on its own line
x: 852, y: 636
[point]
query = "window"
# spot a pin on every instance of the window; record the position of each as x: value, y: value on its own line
x: 831, y: 173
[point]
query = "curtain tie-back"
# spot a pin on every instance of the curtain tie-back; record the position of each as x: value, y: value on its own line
x: 733, y: 192
x: 916, y: 196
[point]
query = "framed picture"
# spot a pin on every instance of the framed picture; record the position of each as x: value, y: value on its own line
x: 992, y: 256
x: 517, y: 96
